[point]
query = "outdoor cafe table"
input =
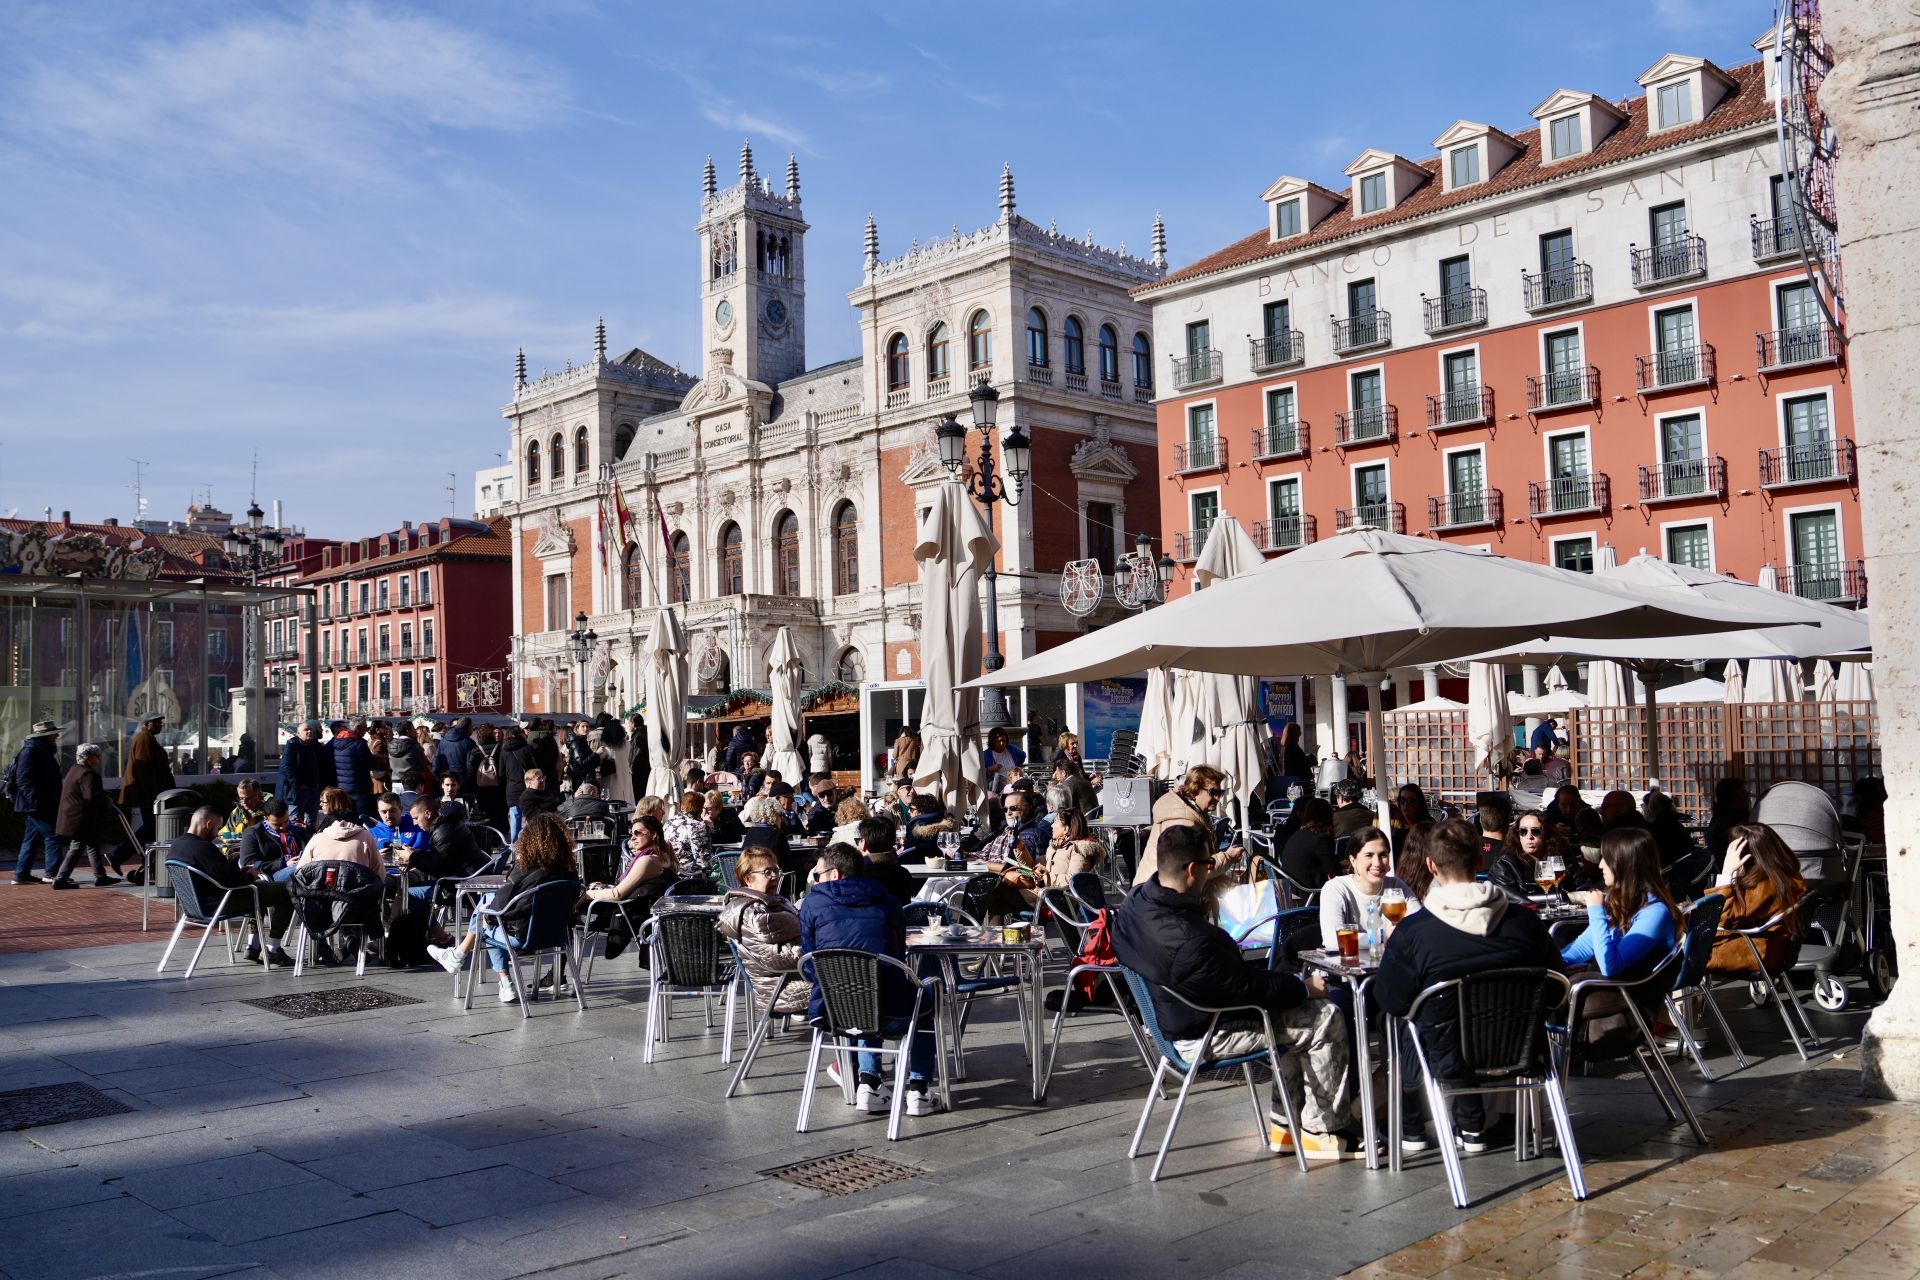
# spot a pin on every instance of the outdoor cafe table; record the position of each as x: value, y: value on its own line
x: 950, y: 946
x: 940, y: 881
x: 475, y: 888
x: 1358, y: 976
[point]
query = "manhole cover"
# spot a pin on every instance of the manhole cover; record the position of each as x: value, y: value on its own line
x: 54, y: 1104
x: 1844, y: 1169
x: 844, y: 1173
x: 318, y: 1004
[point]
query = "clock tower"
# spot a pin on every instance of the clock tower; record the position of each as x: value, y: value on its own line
x: 752, y: 273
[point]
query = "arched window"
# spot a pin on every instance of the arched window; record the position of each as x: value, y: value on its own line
x: 580, y: 449
x: 1073, y: 345
x: 1037, y: 337
x: 980, y: 343
x: 850, y: 667
x: 679, y: 570
x: 937, y: 366
x: 1142, y: 361
x: 1109, y: 354
x: 556, y: 458
x: 786, y: 554
x: 622, y: 437
x: 731, y: 583
x: 846, y: 550
x: 533, y: 463
x: 898, y: 368
x: 636, y: 578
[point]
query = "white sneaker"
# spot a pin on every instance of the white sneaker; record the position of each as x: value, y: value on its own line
x: 874, y: 1099
x: 449, y: 958
x: 507, y: 994
x: 919, y: 1103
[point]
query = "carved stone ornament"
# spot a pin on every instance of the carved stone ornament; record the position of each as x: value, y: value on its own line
x: 555, y: 539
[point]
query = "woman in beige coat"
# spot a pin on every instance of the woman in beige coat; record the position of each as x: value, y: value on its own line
x: 1190, y: 804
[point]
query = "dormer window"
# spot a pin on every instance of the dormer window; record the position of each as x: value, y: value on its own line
x: 1681, y: 90
x: 1286, y: 218
x: 1295, y: 206
x: 1463, y: 166
x: 1574, y: 124
x: 1563, y: 137
x: 1673, y: 104
x: 1373, y: 193
x: 1471, y: 153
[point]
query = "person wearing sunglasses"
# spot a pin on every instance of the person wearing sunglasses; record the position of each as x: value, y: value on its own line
x: 766, y: 929
x: 1514, y: 868
x: 1194, y: 803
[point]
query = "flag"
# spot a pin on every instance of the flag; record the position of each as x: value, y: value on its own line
x: 666, y: 539
x: 600, y: 531
x: 623, y: 523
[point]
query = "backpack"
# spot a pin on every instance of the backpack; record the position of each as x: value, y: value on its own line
x: 487, y: 772
x: 1096, y: 947
x: 407, y: 941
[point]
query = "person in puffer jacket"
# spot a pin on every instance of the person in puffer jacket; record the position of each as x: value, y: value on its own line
x: 766, y: 928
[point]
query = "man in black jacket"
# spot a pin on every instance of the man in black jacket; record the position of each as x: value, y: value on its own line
x: 197, y: 850
x: 516, y: 757
x: 1464, y: 926
x: 1162, y: 933
x: 33, y: 787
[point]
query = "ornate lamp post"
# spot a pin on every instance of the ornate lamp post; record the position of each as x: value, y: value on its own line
x: 581, y: 640
x: 988, y: 487
x: 254, y: 549
x: 1139, y: 582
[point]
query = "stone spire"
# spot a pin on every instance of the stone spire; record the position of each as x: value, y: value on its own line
x: 746, y: 160
x: 873, y: 243
x: 520, y: 369
x: 793, y: 177
x: 1006, y: 192
x: 600, y: 340
x: 1159, y: 241
x: 707, y: 184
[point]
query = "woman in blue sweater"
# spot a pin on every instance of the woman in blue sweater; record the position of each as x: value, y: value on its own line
x: 1633, y: 922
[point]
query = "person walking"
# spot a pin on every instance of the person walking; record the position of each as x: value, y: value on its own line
x: 145, y: 775
x: 406, y: 762
x: 352, y: 767
x: 85, y: 819
x: 305, y: 767
x: 455, y: 757
x: 33, y: 789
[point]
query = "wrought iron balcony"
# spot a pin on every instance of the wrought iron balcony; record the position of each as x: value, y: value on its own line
x: 1821, y: 462
x: 1564, y: 286
x: 1358, y: 332
x: 1774, y: 238
x: 1792, y: 348
x: 1278, y: 350
x: 1283, y: 533
x: 1390, y: 516
x: 1684, y: 479
x: 1280, y: 440
x: 1460, y: 407
x: 1197, y: 369
x: 1468, y: 509
x: 1461, y: 309
x: 1833, y: 581
x: 1569, y: 495
x: 1659, y: 264
x: 1375, y: 425
x: 1186, y: 545
x: 1208, y: 454
x: 1678, y: 367
x: 1563, y: 389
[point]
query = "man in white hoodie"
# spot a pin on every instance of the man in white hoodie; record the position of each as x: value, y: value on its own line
x: 1464, y: 926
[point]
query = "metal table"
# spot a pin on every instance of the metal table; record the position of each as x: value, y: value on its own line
x: 1358, y: 976
x: 475, y: 888
x: 1029, y: 958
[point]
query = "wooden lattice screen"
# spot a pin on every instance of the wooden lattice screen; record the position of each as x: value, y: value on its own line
x: 1431, y: 748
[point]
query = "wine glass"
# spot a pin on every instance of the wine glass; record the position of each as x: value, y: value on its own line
x: 1548, y: 873
x: 1295, y: 791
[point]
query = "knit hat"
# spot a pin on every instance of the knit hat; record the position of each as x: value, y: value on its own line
x: 343, y: 841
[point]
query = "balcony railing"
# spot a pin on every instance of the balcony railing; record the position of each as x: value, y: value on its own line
x: 1358, y: 332
x: 1461, y: 309
x: 937, y: 387
x: 1821, y: 462
x: 1678, y: 367
x: 1373, y: 425
x: 1563, y: 389
x: 1684, y: 478
x: 1186, y: 545
x: 1774, y: 238
x: 1040, y: 374
x: 1278, y: 349
x: 1569, y: 495
x: 1207, y: 454
x: 1468, y: 509
x: 1563, y: 286
x: 1196, y: 369
x: 1460, y: 407
x: 1110, y: 388
x: 898, y: 396
x: 1833, y: 581
x: 1280, y: 440
x: 1390, y: 516
x: 1074, y: 381
x: 1792, y: 348
x: 1283, y: 533
x: 1659, y: 264
x: 1143, y: 393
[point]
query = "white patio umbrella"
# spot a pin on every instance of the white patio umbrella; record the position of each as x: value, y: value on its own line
x: 1155, y: 744
x: 1826, y: 685
x: 1772, y: 680
x: 1736, y: 685
x: 1235, y: 731
x: 953, y: 547
x: 1489, y: 721
x: 1701, y: 690
x: 664, y: 685
x: 783, y: 738
x: 1855, y: 682
x: 1607, y: 685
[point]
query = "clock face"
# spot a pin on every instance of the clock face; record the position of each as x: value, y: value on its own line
x: 723, y: 314
x: 776, y: 312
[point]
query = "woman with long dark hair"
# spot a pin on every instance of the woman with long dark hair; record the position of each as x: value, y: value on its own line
x: 1411, y: 867
x: 1528, y: 840
x: 1760, y: 877
x: 1633, y: 922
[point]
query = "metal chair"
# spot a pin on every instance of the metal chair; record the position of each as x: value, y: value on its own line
x: 595, y: 922
x: 850, y: 984
x: 763, y: 1021
x: 1504, y: 1046
x: 687, y: 960
x: 1088, y: 890
x: 1766, y: 984
x: 1290, y: 893
x: 919, y: 914
x: 971, y: 895
x: 1653, y: 1064
x: 192, y: 891
x: 1293, y: 928
x: 1065, y: 913
x: 1172, y: 1060
x: 357, y: 894
x: 548, y: 936
x: 727, y: 863
x: 1696, y: 944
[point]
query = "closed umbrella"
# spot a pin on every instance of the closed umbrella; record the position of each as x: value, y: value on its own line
x: 1489, y: 721
x: 783, y: 740
x: 953, y: 547
x: 1826, y: 685
x: 664, y: 685
x: 1607, y: 685
x: 1771, y: 680
x: 1855, y: 682
x: 1736, y: 690
x: 1235, y: 731
x: 1155, y: 745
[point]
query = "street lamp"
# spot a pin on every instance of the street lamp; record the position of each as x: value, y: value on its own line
x: 582, y: 640
x: 1136, y: 575
x: 1016, y: 452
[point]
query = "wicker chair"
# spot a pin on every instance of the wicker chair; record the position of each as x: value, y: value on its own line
x: 688, y: 958
x: 850, y: 984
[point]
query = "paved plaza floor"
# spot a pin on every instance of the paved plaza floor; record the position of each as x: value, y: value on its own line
x: 418, y: 1140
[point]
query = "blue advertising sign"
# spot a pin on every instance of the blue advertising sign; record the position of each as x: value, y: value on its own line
x: 1280, y: 703
x: 1107, y: 706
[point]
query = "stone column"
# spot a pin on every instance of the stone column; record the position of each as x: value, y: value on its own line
x: 1429, y: 682
x: 1339, y: 703
x: 1530, y: 686
x: 1873, y: 99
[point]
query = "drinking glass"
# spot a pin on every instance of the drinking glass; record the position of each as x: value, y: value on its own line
x: 1393, y: 905
x: 1548, y: 873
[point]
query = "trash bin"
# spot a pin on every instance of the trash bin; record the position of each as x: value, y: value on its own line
x: 171, y: 812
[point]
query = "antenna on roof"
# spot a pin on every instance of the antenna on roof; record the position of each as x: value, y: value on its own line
x: 253, y: 486
x: 139, y: 498
x: 452, y: 478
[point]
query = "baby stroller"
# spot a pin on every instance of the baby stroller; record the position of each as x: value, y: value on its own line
x: 1843, y: 918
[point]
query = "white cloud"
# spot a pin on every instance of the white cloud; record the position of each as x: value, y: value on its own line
x: 724, y: 111
x: 860, y: 84
x: 328, y: 94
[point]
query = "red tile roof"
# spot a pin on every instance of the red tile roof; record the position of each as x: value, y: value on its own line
x: 1745, y: 105
x: 493, y: 542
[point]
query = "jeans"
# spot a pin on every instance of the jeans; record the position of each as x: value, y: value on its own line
x: 284, y: 874
x: 920, y: 1064
x: 513, y: 822
x: 52, y: 847
x: 495, y: 939
x: 305, y: 803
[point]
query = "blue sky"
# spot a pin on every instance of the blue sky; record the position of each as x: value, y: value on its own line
x: 322, y: 229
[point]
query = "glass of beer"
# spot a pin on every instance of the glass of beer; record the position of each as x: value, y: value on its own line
x: 1349, y: 940
x: 1393, y: 905
x: 1548, y: 873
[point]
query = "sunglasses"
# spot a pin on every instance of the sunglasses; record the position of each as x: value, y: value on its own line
x: 1535, y: 832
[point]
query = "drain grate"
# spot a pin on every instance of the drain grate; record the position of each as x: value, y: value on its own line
x: 844, y: 1173
x: 318, y: 1004
x: 54, y: 1104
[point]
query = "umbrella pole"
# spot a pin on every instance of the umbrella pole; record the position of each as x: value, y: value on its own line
x: 1650, y: 672
x: 1377, y: 758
